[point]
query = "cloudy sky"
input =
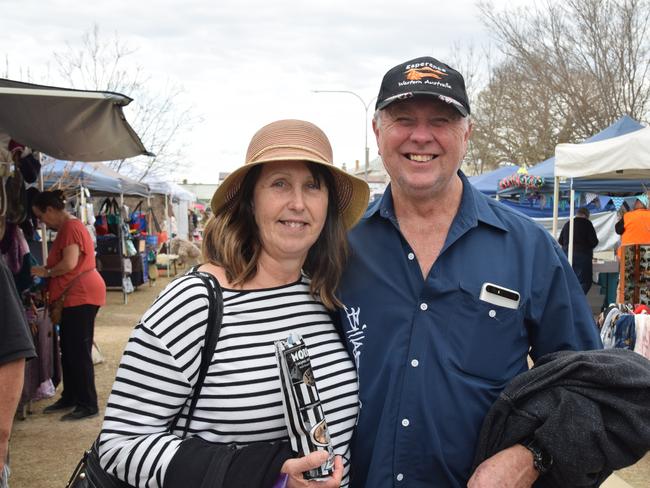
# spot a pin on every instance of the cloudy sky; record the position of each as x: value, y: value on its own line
x: 243, y: 63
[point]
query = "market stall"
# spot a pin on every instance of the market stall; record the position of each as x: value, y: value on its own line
x: 626, y: 157
x: 117, y: 260
x: 176, y: 204
x: 66, y: 124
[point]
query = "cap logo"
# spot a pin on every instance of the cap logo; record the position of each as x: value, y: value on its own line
x: 424, y: 70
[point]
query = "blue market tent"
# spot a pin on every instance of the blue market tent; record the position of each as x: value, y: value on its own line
x: 94, y: 176
x: 77, y: 174
x: 488, y: 183
x: 129, y: 186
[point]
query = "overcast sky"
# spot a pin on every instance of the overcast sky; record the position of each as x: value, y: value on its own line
x: 243, y: 63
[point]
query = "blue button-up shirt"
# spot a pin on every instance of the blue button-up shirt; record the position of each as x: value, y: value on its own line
x: 432, y: 356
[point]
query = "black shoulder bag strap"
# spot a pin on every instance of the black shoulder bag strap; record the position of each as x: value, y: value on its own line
x: 212, y: 330
x: 213, y: 327
x: 89, y: 472
x: 154, y: 219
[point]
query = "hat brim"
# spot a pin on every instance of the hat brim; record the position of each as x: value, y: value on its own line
x: 353, y: 193
x: 440, y: 96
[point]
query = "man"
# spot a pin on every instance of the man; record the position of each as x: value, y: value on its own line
x: 15, y: 346
x: 445, y: 293
x: 584, y: 242
x: 634, y: 226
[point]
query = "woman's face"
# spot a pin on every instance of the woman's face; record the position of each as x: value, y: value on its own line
x: 48, y: 217
x: 290, y: 208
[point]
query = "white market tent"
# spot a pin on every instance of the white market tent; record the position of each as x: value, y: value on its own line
x: 180, y: 198
x: 622, y: 157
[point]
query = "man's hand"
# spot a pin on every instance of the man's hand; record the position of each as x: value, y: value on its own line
x: 295, y: 467
x: 510, y: 468
x: 4, y: 446
x: 12, y: 375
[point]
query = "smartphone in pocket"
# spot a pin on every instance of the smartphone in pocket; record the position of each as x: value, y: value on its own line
x: 499, y: 295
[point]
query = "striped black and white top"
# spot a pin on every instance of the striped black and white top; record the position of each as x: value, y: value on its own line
x: 240, y: 401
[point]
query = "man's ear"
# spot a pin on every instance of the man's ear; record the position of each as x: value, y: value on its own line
x: 375, y: 129
x: 470, y: 128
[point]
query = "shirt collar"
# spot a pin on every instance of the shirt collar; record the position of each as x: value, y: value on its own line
x: 474, y: 207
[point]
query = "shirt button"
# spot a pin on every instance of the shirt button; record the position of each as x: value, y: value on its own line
x: 415, y: 363
x: 399, y: 477
x: 423, y: 306
x: 492, y: 313
x: 411, y: 256
x: 405, y: 422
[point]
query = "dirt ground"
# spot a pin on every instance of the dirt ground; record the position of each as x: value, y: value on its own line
x: 44, y: 451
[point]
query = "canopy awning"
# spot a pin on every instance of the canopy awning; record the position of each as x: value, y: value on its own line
x: 622, y: 157
x: 67, y: 124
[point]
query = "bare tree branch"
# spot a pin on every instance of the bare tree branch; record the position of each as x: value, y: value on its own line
x: 158, y: 117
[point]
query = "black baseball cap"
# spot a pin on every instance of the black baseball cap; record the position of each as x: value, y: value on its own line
x: 424, y: 76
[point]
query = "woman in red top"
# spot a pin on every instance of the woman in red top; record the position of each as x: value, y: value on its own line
x: 71, y: 269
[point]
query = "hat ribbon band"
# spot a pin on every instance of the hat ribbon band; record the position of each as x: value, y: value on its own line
x: 287, y: 146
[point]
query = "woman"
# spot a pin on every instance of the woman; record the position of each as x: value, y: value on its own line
x: 276, y: 245
x: 71, y: 271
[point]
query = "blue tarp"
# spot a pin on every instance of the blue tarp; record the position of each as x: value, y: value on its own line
x: 533, y: 210
x: 546, y: 169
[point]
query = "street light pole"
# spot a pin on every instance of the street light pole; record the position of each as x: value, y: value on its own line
x: 366, y: 106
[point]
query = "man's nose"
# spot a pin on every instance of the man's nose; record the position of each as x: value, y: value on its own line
x: 422, y: 133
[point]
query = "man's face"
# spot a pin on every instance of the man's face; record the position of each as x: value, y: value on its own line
x: 422, y: 142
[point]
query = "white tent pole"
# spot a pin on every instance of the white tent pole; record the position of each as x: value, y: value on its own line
x: 571, y: 213
x: 148, y: 214
x: 556, y: 202
x: 41, y: 186
x: 82, y: 202
x: 122, y: 241
x: 169, y: 230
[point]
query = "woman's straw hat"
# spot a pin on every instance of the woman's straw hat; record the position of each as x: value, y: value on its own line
x: 296, y: 140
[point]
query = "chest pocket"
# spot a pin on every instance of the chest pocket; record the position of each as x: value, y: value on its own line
x: 484, y: 339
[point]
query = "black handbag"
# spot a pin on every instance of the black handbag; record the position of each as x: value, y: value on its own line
x: 89, y: 473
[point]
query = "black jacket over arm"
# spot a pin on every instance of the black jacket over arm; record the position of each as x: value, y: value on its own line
x: 200, y: 464
x: 589, y: 410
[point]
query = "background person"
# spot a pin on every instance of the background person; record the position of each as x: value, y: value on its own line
x: 15, y: 347
x: 71, y: 271
x: 634, y: 226
x: 584, y: 242
x: 434, y: 348
x: 276, y: 244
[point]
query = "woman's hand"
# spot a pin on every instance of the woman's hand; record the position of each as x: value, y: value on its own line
x: 295, y: 467
x: 39, y: 271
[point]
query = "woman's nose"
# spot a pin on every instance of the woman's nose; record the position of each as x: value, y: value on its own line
x: 297, y: 201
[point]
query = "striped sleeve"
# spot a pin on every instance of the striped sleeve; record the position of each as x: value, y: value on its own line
x: 153, y: 382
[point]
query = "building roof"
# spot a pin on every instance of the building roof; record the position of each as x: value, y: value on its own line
x: 203, y: 191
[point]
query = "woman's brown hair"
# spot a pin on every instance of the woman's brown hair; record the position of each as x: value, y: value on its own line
x: 231, y: 239
x: 54, y: 199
